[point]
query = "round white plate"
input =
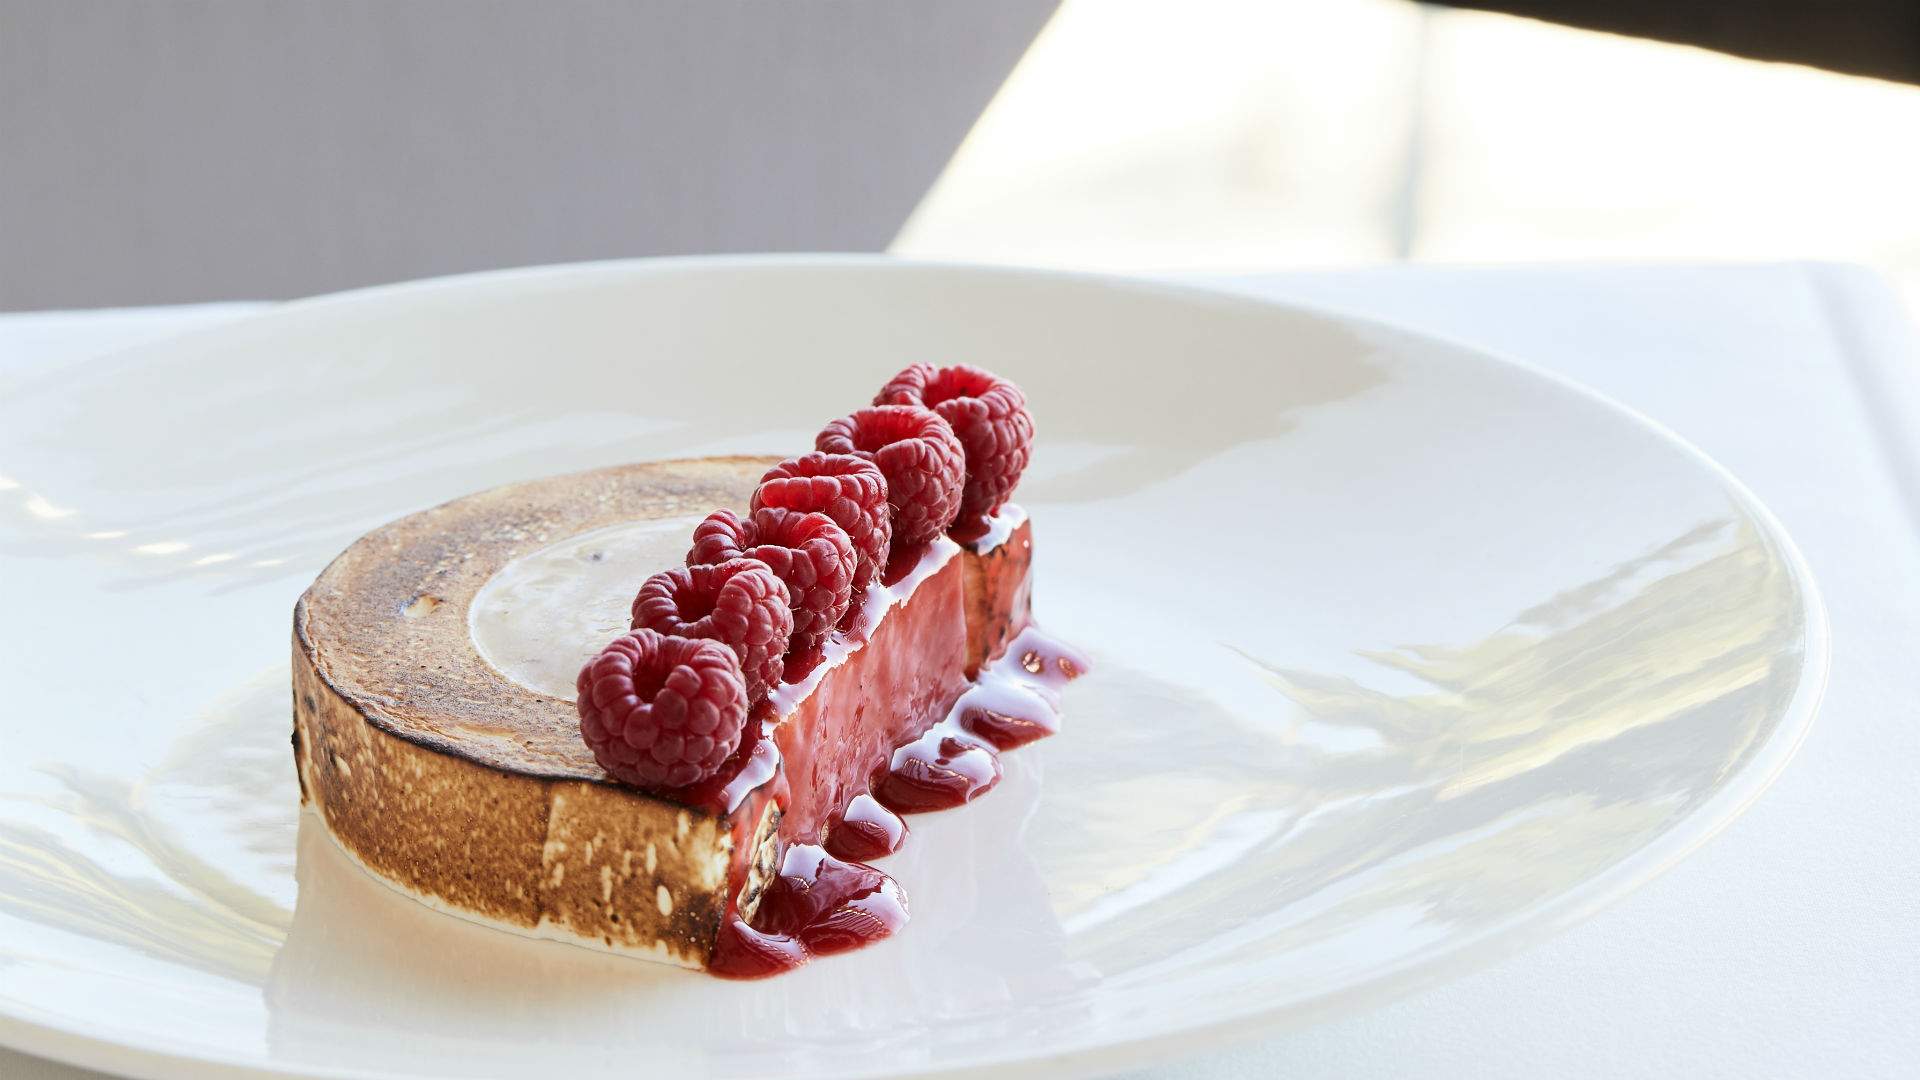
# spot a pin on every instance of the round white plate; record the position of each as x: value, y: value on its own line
x: 1407, y: 657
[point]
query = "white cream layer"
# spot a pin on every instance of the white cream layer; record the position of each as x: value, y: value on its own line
x: 546, y: 613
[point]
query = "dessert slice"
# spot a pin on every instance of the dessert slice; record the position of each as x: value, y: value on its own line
x: 698, y: 791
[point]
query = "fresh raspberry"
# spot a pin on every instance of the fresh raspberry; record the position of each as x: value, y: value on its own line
x: 807, y: 551
x: 739, y: 603
x: 924, y: 464
x: 988, y: 414
x: 662, y: 712
x: 850, y: 490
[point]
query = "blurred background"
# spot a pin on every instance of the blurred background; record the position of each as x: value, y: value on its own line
x: 169, y: 150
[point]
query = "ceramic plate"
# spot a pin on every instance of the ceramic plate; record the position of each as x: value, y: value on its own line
x: 1407, y: 656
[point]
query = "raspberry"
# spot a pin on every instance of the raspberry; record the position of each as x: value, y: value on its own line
x: 807, y: 551
x: 850, y: 490
x: 988, y: 414
x: 662, y: 712
x: 738, y: 603
x: 920, y: 457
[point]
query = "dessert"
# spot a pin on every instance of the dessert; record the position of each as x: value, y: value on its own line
x: 524, y: 707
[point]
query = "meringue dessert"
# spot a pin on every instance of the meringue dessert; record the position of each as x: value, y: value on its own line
x: 674, y: 709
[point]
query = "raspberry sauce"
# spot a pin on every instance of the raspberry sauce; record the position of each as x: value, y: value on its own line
x: 939, y: 770
x: 818, y: 905
x: 1015, y: 700
x: 895, y: 688
x: 825, y: 899
x: 865, y: 830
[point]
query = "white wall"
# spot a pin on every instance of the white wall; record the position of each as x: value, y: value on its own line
x: 164, y: 150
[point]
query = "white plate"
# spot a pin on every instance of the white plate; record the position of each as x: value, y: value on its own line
x: 1407, y: 657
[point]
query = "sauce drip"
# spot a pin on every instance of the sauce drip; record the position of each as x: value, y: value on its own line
x: 827, y: 900
x: 865, y: 830
x: 817, y: 906
x: 1015, y: 700
x: 944, y: 768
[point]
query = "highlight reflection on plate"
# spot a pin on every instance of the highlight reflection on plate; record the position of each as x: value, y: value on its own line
x: 1406, y: 657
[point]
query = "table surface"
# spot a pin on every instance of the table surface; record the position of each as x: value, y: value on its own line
x: 1789, y: 945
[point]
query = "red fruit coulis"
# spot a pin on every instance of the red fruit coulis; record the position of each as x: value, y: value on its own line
x: 818, y: 905
x: 825, y: 899
x: 865, y: 830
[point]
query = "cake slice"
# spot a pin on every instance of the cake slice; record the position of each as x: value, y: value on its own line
x: 459, y: 784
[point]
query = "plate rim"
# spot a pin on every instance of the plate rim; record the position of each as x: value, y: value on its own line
x: 49, y: 1036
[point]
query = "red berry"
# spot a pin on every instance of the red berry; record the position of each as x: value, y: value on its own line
x: 808, y: 552
x: 739, y: 603
x: 662, y: 712
x: 988, y: 414
x: 850, y: 490
x: 923, y: 462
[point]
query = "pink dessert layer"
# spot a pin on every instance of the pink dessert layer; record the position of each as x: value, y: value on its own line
x: 907, y: 713
x: 884, y: 692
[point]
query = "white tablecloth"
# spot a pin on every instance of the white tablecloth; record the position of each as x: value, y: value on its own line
x: 1790, y: 945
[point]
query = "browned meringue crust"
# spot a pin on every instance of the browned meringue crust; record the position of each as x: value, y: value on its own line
x: 475, y: 794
